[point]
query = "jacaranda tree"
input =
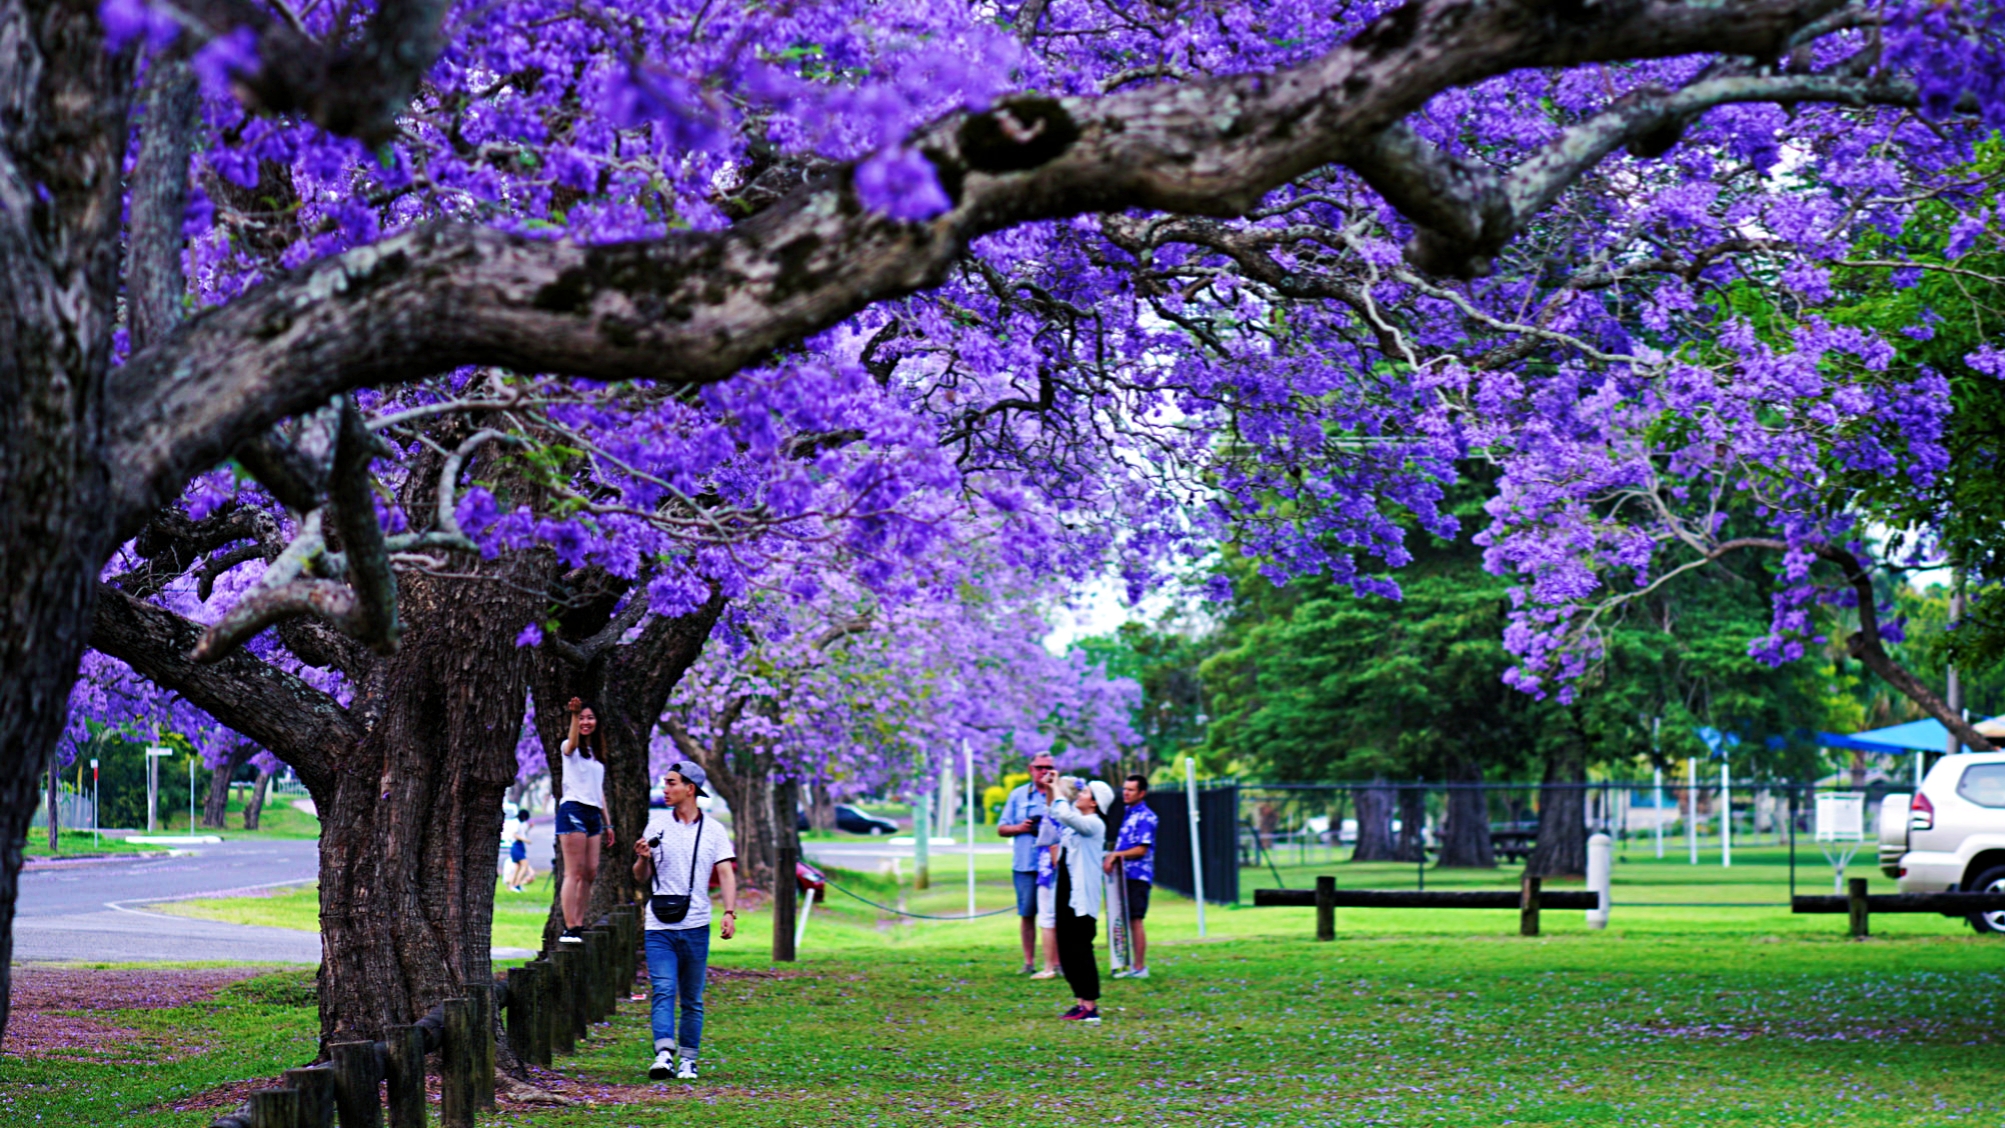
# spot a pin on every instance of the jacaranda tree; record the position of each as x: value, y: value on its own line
x: 1283, y: 262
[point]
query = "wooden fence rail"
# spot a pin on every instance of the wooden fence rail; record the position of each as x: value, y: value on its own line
x: 1860, y: 905
x: 545, y: 1007
x: 1326, y: 899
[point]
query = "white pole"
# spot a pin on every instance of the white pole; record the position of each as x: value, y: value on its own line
x: 1599, y: 864
x: 1726, y: 818
x: 191, y: 794
x: 801, y: 925
x: 1196, y: 856
x: 968, y: 752
x: 1917, y: 771
x: 94, y: 822
x: 1657, y: 804
x: 1692, y: 802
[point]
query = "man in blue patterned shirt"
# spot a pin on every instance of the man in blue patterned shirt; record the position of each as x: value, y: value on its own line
x: 1135, y: 850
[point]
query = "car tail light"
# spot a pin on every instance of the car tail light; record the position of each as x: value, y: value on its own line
x: 1921, y: 814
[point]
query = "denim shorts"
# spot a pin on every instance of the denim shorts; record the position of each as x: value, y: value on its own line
x: 1026, y: 892
x: 577, y: 818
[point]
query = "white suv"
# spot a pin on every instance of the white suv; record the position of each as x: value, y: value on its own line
x: 1950, y: 836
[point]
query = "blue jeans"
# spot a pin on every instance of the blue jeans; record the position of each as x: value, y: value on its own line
x: 676, y: 958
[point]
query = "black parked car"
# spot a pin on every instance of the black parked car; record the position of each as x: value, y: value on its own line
x: 852, y: 820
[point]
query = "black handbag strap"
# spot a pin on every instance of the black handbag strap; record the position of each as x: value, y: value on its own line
x: 694, y: 847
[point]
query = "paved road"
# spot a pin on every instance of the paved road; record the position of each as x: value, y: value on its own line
x: 97, y: 911
x: 91, y: 910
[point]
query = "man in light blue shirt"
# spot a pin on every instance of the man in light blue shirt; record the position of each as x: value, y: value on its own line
x: 1022, y: 813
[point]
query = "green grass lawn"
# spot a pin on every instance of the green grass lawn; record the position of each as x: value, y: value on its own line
x: 279, y: 819
x: 151, y: 1059
x: 74, y: 844
x: 1676, y: 1015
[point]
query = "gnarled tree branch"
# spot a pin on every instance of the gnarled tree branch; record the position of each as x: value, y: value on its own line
x: 308, y: 728
x: 696, y: 307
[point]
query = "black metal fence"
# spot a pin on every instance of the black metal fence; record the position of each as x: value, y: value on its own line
x: 1284, y: 826
x: 1218, y: 840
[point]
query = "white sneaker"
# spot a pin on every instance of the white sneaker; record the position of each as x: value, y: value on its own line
x: 664, y: 1064
x: 1122, y: 974
x: 1139, y: 973
x: 687, y: 1070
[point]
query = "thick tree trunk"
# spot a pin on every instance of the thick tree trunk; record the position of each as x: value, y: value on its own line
x: 62, y: 146
x: 254, y: 807
x: 1412, y: 824
x: 216, y: 806
x: 1561, y: 850
x: 821, y: 808
x: 1465, y: 826
x: 746, y: 782
x: 1375, y: 843
x: 408, y: 849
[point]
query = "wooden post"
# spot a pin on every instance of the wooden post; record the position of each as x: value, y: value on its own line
x: 594, y: 981
x: 539, y: 1028
x: 608, y: 968
x: 522, y: 1012
x: 275, y: 1108
x: 315, y: 1086
x: 1855, y: 897
x: 630, y: 939
x: 355, y: 1081
x: 404, y: 1076
x: 576, y: 992
x: 1528, y: 906
x: 786, y: 897
x: 1326, y: 908
x: 482, y: 997
x: 545, y: 1032
x: 459, y: 1100
x: 563, y: 1012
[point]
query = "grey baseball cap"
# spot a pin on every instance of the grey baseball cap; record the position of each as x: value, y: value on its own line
x: 694, y: 773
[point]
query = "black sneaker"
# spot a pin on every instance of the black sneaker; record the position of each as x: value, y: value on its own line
x: 570, y: 936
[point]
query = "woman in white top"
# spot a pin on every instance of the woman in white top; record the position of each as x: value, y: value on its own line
x: 1077, y: 806
x: 582, y: 827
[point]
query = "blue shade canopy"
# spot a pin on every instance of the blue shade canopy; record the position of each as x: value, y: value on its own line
x: 1926, y: 735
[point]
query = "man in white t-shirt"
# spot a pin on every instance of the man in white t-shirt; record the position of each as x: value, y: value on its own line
x: 672, y: 864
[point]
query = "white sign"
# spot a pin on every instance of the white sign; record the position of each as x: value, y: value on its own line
x: 1841, y: 817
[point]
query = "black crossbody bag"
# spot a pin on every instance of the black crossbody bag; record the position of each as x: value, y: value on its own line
x: 670, y: 908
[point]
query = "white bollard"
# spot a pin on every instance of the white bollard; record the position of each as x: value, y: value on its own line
x: 1600, y: 858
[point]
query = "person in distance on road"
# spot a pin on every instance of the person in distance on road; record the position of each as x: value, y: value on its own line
x: 520, y: 872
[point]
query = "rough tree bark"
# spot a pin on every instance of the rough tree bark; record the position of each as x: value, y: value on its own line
x: 216, y: 806
x: 1561, y: 849
x: 628, y: 684
x: 408, y: 845
x: 1375, y: 843
x: 1465, y: 825
x: 254, y: 807
x: 1412, y: 845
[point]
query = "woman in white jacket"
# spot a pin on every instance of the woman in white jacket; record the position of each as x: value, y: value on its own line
x: 1076, y: 806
